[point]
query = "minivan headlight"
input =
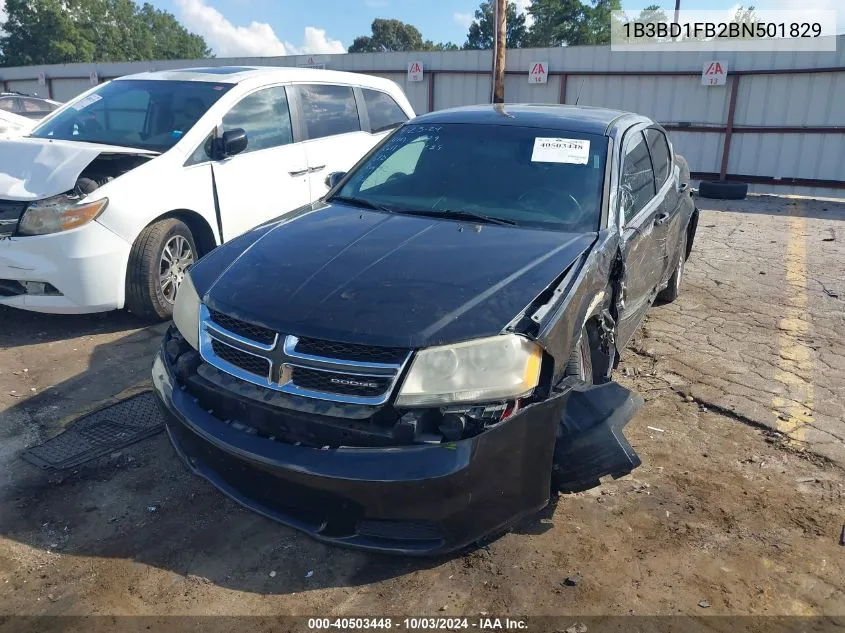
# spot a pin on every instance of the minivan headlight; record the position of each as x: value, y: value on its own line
x: 495, y: 368
x: 186, y: 312
x: 59, y: 213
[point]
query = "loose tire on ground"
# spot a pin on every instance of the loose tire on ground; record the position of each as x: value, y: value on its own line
x: 144, y: 294
x: 723, y: 190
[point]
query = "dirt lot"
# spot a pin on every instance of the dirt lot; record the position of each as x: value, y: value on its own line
x: 739, y: 501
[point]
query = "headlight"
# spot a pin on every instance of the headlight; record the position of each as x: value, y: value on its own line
x: 59, y: 213
x: 186, y: 312
x: 496, y: 368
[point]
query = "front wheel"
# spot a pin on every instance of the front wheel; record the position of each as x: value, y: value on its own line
x: 158, y: 262
x: 580, y: 362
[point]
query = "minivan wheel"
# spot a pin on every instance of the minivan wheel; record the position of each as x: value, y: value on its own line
x: 158, y: 262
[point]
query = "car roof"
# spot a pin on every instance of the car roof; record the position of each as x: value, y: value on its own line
x: 568, y: 118
x: 261, y: 74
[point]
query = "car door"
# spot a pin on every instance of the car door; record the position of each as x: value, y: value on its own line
x: 666, y: 182
x: 333, y: 127
x: 643, y: 218
x: 270, y: 177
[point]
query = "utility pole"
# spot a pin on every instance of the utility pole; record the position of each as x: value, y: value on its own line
x: 677, y: 13
x: 500, y: 14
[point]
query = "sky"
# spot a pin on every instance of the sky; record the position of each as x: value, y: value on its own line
x: 286, y: 27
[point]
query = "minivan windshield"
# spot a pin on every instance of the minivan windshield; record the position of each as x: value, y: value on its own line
x: 501, y: 174
x: 146, y: 114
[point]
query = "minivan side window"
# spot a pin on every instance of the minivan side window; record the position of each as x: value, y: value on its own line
x: 383, y: 111
x: 637, y: 183
x: 328, y: 110
x: 265, y: 117
x: 660, y: 156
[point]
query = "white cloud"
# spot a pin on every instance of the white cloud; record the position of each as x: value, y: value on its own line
x: 316, y: 41
x: 463, y: 19
x: 256, y: 40
x: 522, y: 7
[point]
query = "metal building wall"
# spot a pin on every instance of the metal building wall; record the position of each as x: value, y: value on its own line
x: 788, y: 119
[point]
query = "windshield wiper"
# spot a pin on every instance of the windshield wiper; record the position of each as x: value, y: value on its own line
x: 360, y: 202
x: 462, y: 215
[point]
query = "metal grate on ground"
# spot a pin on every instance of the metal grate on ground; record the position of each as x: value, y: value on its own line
x: 99, y: 433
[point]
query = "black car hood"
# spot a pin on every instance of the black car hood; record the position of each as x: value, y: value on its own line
x: 344, y: 274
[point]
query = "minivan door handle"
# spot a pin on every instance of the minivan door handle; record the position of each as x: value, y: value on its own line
x: 299, y: 172
x: 317, y: 168
x: 661, y: 218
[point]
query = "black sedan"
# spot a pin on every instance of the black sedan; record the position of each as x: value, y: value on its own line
x: 424, y: 357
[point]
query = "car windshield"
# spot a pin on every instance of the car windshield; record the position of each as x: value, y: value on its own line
x: 144, y: 114
x: 503, y: 174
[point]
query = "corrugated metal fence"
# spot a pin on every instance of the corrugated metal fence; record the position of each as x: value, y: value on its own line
x: 779, y: 122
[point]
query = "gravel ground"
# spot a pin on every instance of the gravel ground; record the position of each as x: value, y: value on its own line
x: 738, y: 505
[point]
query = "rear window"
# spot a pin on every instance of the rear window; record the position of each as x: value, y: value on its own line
x: 383, y: 111
x: 328, y: 110
x: 660, y: 158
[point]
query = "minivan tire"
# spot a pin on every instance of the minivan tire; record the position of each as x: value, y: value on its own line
x: 722, y: 190
x: 145, y: 296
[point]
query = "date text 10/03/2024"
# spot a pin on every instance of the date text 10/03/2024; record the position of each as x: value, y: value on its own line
x: 482, y: 623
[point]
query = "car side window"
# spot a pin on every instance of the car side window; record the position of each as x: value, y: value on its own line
x: 660, y: 156
x: 265, y: 117
x: 383, y: 111
x: 9, y: 104
x: 328, y: 110
x: 637, y: 182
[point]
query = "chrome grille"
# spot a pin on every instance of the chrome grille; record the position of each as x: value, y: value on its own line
x: 250, y: 363
x: 10, y: 214
x: 351, y: 351
x: 251, y: 331
x: 340, y: 372
x: 348, y: 384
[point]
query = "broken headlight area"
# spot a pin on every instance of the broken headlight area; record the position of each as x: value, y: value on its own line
x: 311, y: 422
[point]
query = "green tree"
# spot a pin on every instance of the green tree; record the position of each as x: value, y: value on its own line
x: 388, y: 36
x: 570, y: 22
x: 64, y: 31
x: 480, y: 35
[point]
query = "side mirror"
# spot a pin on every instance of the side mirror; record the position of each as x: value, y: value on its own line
x: 333, y: 178
x: 233, y: 142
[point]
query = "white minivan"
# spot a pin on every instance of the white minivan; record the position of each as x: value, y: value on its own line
x: 110, y: 198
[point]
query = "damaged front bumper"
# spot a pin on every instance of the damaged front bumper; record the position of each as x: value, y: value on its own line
x: 419, y: 499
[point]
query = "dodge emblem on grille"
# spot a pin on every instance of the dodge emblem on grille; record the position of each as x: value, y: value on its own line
x: 353, y: 383
x: 285, y: 375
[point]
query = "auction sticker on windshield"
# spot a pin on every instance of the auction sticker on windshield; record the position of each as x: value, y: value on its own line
x: 561, y: 150
x: 85, y: 102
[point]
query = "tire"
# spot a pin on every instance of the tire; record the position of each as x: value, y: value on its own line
x: 165, y: 247
x: 671, y: 292
x: 581, y: 360
x: 722, y: 190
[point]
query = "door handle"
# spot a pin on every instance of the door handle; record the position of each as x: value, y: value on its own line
x: 300, y: 172
x: 661, y: 218
x: 317, y: 168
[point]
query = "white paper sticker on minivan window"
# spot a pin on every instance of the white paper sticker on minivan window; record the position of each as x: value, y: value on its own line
x: 561, y: 150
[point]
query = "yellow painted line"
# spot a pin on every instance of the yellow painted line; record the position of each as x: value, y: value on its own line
x: 795, y: 359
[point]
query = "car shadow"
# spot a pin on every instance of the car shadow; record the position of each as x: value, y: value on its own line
x: 20, y: 328
x: 777, y: 206
x: 141, y: 504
